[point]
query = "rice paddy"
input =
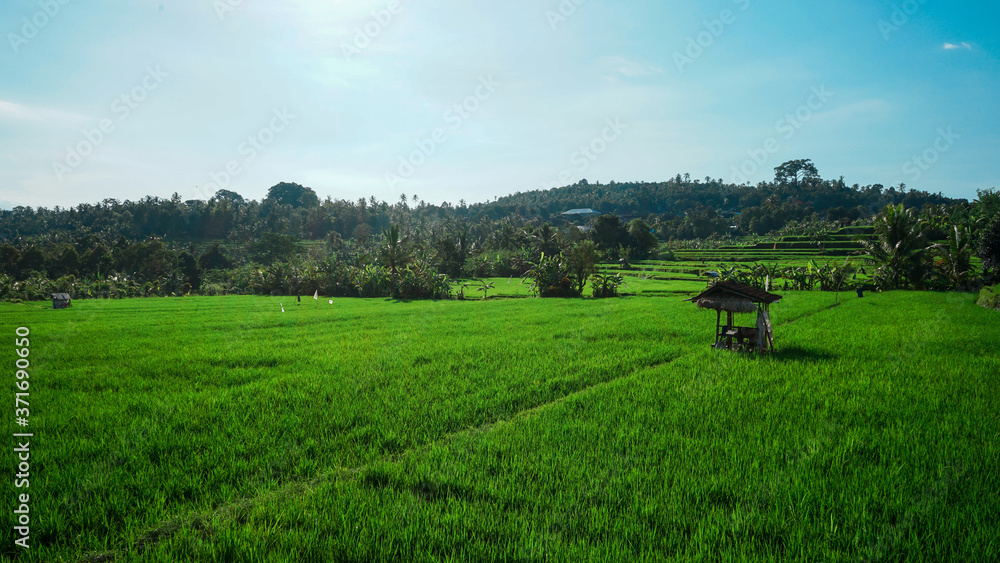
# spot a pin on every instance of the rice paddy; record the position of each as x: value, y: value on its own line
x: 220, y: 428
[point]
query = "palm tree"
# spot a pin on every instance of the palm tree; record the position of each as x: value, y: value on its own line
x: 395, y: 252
x: 989, y: 247
x: 546, y: 240
x: 896, y: 248
x: 954, y: 257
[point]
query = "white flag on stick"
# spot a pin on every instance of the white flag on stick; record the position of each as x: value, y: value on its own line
x: 316, y: 295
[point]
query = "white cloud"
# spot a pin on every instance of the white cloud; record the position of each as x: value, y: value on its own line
x: 11, y: 110
x: 628, y: 68
x: 954, y: 46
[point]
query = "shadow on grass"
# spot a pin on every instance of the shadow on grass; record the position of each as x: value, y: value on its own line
x: 799, y: 354
x: 435, y: 491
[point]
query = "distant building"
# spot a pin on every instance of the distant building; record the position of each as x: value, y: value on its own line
x: 60, y: 300
x: 579, y: 213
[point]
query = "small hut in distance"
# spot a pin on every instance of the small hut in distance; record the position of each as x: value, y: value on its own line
x: 60, y: 300
x: 733, y: 298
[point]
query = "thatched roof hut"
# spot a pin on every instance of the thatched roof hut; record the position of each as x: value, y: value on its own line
x: 60, y: 300
x: 735, y: 297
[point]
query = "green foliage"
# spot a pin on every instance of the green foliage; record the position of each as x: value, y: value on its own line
x: 9, y: 258
x: 896, y: 248
x: 189, y: 269
x: 143, y: 240
x: 606, y: 285
x: 989, y: 246
x: 214, y: 258
x: 499, y: 264
x: 619, y: 240
x: 609, y: 234
x: 452, y: 253
x: 953, y: 258
x: 66, y: 261
x: 838, y: 277
x: 733, y: 273
x: 419, y: 280
x: 989, y: 297
x: 987, y: 205
x: 678, y: 208
x: 640, y: 238
x: 550, y: 277
x: 96, y: 261
x: 793, y: 171
x: 545, y: 240
x: 230, y: 196
x: 801, y: 278
x: 395, y: 250
x: 275, y: 247
x: 32, y: 260
x: 292, y: 194
x: 581, y: 260
x: 485, y: 287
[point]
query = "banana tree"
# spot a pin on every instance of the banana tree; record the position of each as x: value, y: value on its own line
x: 838, y: 275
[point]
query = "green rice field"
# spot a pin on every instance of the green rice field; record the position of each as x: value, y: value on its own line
x: 507, y: 429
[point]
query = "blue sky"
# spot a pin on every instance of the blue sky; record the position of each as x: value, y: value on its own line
x: 459, y: 99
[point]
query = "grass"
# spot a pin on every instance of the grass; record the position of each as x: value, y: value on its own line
x: 511, y: 429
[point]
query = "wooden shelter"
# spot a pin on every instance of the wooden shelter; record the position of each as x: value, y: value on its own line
x: 735, y: 297
x: 60, y: 300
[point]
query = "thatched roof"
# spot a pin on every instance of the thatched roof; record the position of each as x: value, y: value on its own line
x: 60, y: 296
x: 726, y: 303
x: 733, y: 296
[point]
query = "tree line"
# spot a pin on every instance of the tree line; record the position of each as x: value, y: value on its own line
x: 680, y: 208
x: 292, y: 242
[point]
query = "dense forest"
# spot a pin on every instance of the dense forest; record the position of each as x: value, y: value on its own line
x: 679, y: 208
x: 292, y: 241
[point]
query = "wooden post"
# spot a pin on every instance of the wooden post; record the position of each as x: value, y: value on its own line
x: 718, y: 320
x: 770, y: 334
x: 729, y: 322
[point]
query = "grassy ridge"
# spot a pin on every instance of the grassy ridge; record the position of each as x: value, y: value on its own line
x: 214, y: 428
